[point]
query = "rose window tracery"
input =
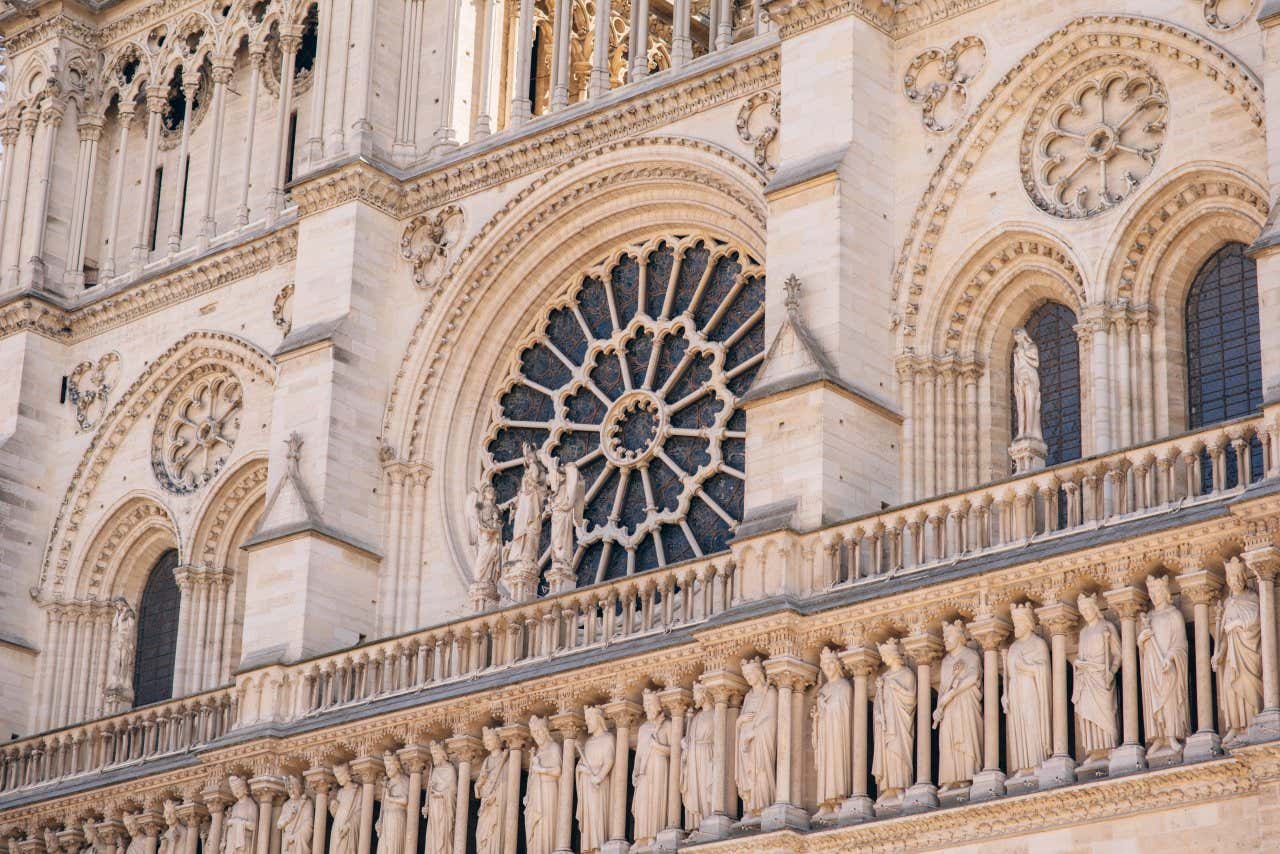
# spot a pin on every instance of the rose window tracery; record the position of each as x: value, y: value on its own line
x: 196, y: 429
x: 1094, y: 137
x: 635, y: 377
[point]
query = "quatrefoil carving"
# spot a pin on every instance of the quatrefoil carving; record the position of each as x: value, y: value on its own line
x: 89, y: 387
x: 938, y: 81
x: 1228, y: 14
x: 758, y: 122
x: 428, y: 242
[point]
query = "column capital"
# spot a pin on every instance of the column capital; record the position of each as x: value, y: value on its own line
x: 924, y: 647
x: 514, y: 736
x: 1127, y: 601
x: 676, y: 700
x: 320, y: 779
x: 569, y: 724
x: 1263, y: 561
x: 724, y: 686
x: 860, y: 660
x: 71, y: 840
x: 623, y: 713
x: 267, y: 788
x: 367, y: 769
x: 788, y: 671
x: 217, y: 797
x: 110, y: 830
x: 192, y: 813
x: 157, y: 99
x: 1200, y: 587
x: 1058, y: 617
x: 465, y: 748
x: 990, y: 631
x: 414, y: 757
x: 151, y: 821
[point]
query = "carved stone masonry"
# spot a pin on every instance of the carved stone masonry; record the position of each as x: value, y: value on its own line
x: 938, y: 81
x: 428, y: 241
x: 89, y: 387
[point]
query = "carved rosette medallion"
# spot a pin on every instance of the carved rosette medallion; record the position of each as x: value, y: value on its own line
x: 635, y: 376
x: 1094, y: 137
x: 196, y: 429
x: 938, y: 81
x: 1228, y: 14
x: 89, y: 387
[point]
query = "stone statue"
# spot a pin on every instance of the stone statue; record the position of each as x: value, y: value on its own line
x: 1028, y: 689
x: 137, y: 839
x: 491, y: 791
x: 442, y: 800
x: 568, y: 500
x: 595, y: 762
x: 1094, y: 693
x: 51, y: 840
x: 1238, y: 658
x: 484, y: 529
x: 91, y: 842
x: 1162, y: 642
x: 297, y: 819
x: 173, y: 840
x: 526, y: 527
x: 697, y: 787
x: 1026, y: 385
x: 395, y: 807
x: 893, y: 713
x: 958, y: 716
x: 240, y: 826
x: 344, y: 836
x: 542, y: 790
x: 649, y: 773
x: 124, y: 641
x: 832, y: 716
x: 756, y: 740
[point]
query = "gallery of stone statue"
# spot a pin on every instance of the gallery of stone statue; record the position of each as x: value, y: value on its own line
x: 639, y: 426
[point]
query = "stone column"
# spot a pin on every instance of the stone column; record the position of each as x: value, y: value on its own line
x: 466, y: 750
x: 1130, y: 756
x: 151, y: 823
x: 727, y: 689
x: 368, y: 771
x: 681, y: 43
x: 862, y: 662
x: 184, y: 147
x: 991, y: 632
x: 223, y: 68
x: 111, y: 243
x: 521, y: 106
x: 290, y: 40
x: 51, y: 112
x: 1060, y: 768
x: 1200, y: 588
x: 322, y: 782
x: 9, y: 136
x: 90, y: 130
x: 515, y: 737
x: 676, y: 701
x: 638, y: 41
x: 20, y: 158
x: 599, y: 82
x: 924, y: 647
x: 414, y: 758
x: 157, y: 100
x: 625, y: 714
x: 1264, y: 562
x: 257, y: 55
x: 191, y: 814
x: 267, y: 790
x: 569, y: 723
x: 791, y: 676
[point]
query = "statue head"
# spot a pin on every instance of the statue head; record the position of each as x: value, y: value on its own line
x: 239, y: 788
x: 595, y: 720
x: 90, y: 828
x: 701, y: 697
x: 438, y: 754
x: 170, y: 811
x: 652, y: 704
x: 130, y: 820
x: 1158, y: 590
x: 489, y: 737
x: 342, y: 773
x: 830, y: 664
x: 753, y: 672
x: 1236, y: 577
x: 890, y: 652
x: 1024, y: 619
x: 1022, y: 337
x: 1088, y: 605
x: 294, y: 785
x: 391, y: 764
x: 538, y: 729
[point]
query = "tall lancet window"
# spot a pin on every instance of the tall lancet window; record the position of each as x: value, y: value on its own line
x: 157, y: 633
x: 1224, y: 356
x: 1052, y: 328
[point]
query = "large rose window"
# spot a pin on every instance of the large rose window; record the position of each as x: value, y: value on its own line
x: 635, y: 376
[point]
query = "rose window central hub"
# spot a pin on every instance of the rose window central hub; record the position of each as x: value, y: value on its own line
x: 633, y: 428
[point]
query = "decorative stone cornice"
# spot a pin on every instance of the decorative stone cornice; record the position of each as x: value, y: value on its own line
x: 896, y: 18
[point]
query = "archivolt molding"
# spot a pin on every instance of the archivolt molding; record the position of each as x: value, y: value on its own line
x: 1196, y: 192
x: 636, y: 162
x: 1042, y: 65
x: 136, y: 516
x: 222, y: 512
x: 160, y: 376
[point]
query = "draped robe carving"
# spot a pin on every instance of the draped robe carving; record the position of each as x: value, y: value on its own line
x: 442, y: 798
x: 1163, y: 645
x: 756, y: 740
x: 241, y: 820
x: 491, y: 791
x: 541, y: 791
x: 959, y: 715
x: 1238, y: 658
x: 894, y: 716
x: 345, y: 808
x: 650, y: 771
x: 696, y: 784
x: 1027, y: 691
x: 1094, y: 694
x: 831, y: 739
x: 296, y: 821
x: 595, y: 762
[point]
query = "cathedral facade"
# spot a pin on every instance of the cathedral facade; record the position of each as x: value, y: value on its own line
x: 495, y: 426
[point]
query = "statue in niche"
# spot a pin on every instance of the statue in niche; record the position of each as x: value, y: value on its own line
x: 595, y: 762
x: 484, y: 529
x: 51, y: 840
x: 1093, y: 695
x: 92, y: 844
x: 394, y: 813
x: 240, y: 826
x: 697, y: 747
x: 1026, y: 385
x: 1162, y: 642
x: 958, y: 716
x: 442, y: 799
x: 568, y: 501
x: 832, y: 716
x: 893, y: 713
x: 542, y: 790
x: 649, y: 774
x: 491, y: 791
x: 137, y: 839
x: 1027, y: 693
x: 297, y: 819
x: 124, y: 640
x: 526, y: 528
x: 175, y: 833
x: 1238, y: 658
x: 756, y: 738
x: 344, y: 837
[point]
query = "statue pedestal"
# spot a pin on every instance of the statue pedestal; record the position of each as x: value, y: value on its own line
x: 1057, y: 771
x: 483, y: 596
x: 920, y: 798
x: 561, y: 579
x: 987, y: 785
x: 521, y: 581
x: 1028, y: 454
x: 1127, y: 759
x: 782, y: 817
x: 1202, y: 746
x: 1265, y: 726
x: 953, y: 796
x: 1022, y: 783
x: 669, y: 840
x: 1166, y: 757
x: 1093, y: 769
x: 856, y: 810
x: 716, y: 826
x: 616, y: 846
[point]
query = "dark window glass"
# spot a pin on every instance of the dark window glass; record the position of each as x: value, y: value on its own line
x: 157, y: 634
x: 1052, y: 328
x: 1224, y: 356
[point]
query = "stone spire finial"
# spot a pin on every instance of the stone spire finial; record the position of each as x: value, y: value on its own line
x: 792, y: 288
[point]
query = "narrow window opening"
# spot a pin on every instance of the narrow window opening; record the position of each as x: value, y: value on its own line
x: 186, y: 185
x: 293, y: 142
x: 155, y: 206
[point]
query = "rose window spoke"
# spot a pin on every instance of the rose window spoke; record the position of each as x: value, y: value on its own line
x: 635, y: 376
